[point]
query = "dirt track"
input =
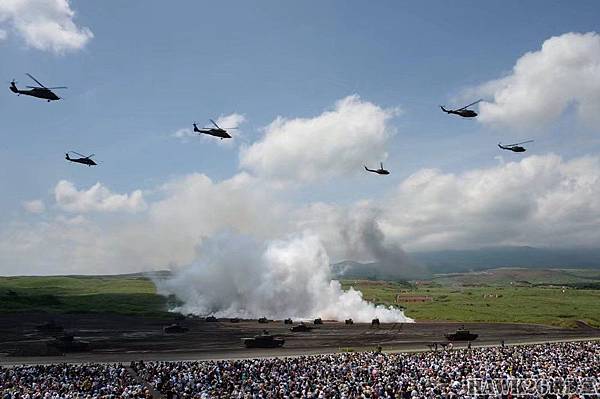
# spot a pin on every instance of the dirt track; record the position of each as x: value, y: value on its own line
x: 122, y: 338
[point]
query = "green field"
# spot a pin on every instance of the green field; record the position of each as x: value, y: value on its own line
x: 558, y: 297
x: 134, y: 295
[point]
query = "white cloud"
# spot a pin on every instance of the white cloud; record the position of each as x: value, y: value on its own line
x: 3, y: 34
x: 34, y: 206
x: 544, y: 83
x: 336, y: 142
x: 97, y: 198
x: 45, y: 24
x: 539, y: 201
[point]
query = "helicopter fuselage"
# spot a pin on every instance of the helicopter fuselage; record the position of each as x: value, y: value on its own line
x: 222, y: 133
x: 378, y: 171
x: 42, y: 93
x: 516, y: 148
x: 84, y: 161
x: 465, y: 113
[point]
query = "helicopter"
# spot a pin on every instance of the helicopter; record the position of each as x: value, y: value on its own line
x: 83, y: 160
x: 379, y: 171
x: 464, y: 112
x: 216, y: 131
x: 40, y: 91
x: 515, y: 147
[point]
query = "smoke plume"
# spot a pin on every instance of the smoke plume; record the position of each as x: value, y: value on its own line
x: 236, y: 276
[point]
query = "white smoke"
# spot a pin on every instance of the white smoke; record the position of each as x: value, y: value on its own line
x: 237, y: 277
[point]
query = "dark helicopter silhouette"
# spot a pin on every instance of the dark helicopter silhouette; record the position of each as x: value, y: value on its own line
x: 216, y: 131
x: 515, y: 147
x: 379, y: 171
x: 83, y: 160
x: 464, y: 112
x: 39, y: 92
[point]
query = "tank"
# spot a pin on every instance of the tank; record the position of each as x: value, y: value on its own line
x: 461, y: 335
x: 349, y: 321
x: 263, y: 320
x: 288, y: 321
x: 301, y: 328
x: 375, y: 322
x: 265, y: 340
x: 211, y: 319
x: 318, y: 321
x: 175, y: 329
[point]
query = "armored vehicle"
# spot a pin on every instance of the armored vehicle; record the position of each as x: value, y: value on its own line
x: 263, y: 320
x: 288, y: 321
x: 301, y: 328
x: 265, y: 340
x: 211, y: 319
x: 175, y: 329
x: 461, y: 335
x: 375, y: 322
x: 318, y: 321
x: 349, y: 321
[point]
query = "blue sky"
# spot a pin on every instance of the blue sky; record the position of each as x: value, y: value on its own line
x: 153, y: 67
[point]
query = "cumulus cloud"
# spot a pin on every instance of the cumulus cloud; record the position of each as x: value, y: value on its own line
x: 144, y: 236
x: 97, y: 198
x: 338, y: 141
x: 539, y: 201
x: 45, y: 24
x: 543, y: 84
x: 34, y: 206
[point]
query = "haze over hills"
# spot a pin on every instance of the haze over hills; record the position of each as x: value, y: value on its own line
x: 454, y: 261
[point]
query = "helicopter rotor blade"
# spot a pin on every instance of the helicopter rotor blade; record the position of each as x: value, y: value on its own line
x: 36, y: 81
x: 76, y: 153
x: 59, y: 87
x: 473, y: 103
x: 215, y: 123
x: 522, y: 142
x: 89, y: 156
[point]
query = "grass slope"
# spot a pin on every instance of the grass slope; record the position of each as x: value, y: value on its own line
x: 500, y: 295
x: 132, y: 294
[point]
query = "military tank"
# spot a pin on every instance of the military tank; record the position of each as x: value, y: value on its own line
x: 461, y: 335
x: 265, y: 340
x: 175, y: 329
x: 301, y: 328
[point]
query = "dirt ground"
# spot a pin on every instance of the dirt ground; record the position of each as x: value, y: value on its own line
x: 115, y: 338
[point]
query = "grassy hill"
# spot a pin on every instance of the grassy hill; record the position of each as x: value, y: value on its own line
x: 547, y: 296
x: 128, y: 294
x: 556, y: 296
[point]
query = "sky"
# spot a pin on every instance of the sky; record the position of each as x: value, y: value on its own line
x: 317, y: 89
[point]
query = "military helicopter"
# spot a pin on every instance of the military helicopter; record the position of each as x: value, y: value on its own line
x: 39, y: 92
x: 464, y: 112
x: 83, y: 160
x: 379, y: 171
x: 216, y: 131
x: 515, y: 147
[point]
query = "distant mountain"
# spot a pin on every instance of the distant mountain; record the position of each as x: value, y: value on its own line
x: 453, y: 261
x: 489, y: 258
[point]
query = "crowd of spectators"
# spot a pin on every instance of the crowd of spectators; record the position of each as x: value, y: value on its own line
x: 64, y: 381
x: 557, y: 370
x: 435, y: 374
